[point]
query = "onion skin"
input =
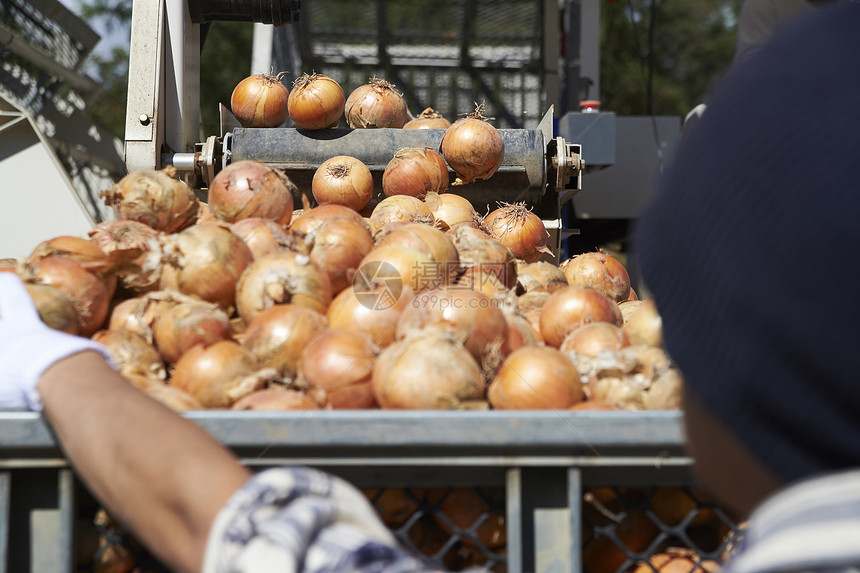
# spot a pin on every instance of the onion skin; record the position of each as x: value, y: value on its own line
x: 426, y: 372
x: 415, y: 171
x: 340, y: 364
x: 155, y: 199
x: 278, y: 335
x: 260, y: 101
x: 264, y: 236
x: 428, y: 119
x: 348, y: 312
x: 251, y: 189
x: 142, y: 273
x: 55, y: 308
x: 396, y: 208
x: 275, y: 399
x: 133, y: 355
x: 316, y: 102
x: 600, y: 271
x: 343, y: 180
x: 281, y: 278
x: 571, y: 307
x: 450, y: 209
x: 188, y: 324
x: 535, y: 378
x: 473, y: 148
x: 520, y: 230
x: 540, y: 276
x: 376, y: 104
x: 490, y: 257
x: 205, y: 261
x: 337, y: 248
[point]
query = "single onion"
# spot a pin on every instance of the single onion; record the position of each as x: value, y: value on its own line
x: 627, y: 308
x: 520, y: 333
x: 313, y: 218
x: 251, y: 189
x: 592, y: 339
x: 532, y: 300
x: 571, y: 307
x: 278, y: 335
x: 55, y: 308
x: 205, y: 261
x: 133, y: 355
x: 428, y: 371
x: 219, y: 374
x: 644, y: 325
x: 415, y: 171
x: 473, y: 318
x: 275, y: 399
x: 376, y: 104
x: 473, y: 148
x: 399, y: 208
x: 85, y: 252
x: 90, y: 293
x: 343, y: 180
x: 488, y: 256
x: 414, y: 269
x: 340, y: 364
x: 264, y: 236
x: 154, y: 198
x: 142, y: 273
x: 337, y: 248
x: 540, y: 276
x: 173, y: 398
x: 600, y: 271
x: 450, y: 209
x: 315, y: 102
x: 188, y: 324
x: 281, y: 278
x: 516, y: 227
x: 260, y: 101
x: 535, y: 378
x: 373, y: 308
x: 428, y: 119
x: 432, y: 242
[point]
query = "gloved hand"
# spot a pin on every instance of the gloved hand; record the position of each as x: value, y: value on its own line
x: 28, y: 346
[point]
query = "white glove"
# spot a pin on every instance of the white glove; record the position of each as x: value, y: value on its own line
x: 28, y: 346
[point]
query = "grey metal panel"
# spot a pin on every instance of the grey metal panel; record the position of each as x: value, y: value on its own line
x: 514, y: 520
x: 574, y: 504
x: 595, y: 132
x: 620, y: 191
x: 5, y: 490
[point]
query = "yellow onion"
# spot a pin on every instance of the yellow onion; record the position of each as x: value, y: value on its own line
x: 140, y: 314
x: 187, y: 324
x: 260, y: 101
x: 600, y: 271
x: 428, y: 119
x: 449, y: 209
x: 153, y: 198
x: 571, y: 307
x: 315, y: 102
x: 264, y: 236
x: 473, y: 148
x: 415, y: 171
x: 488, y: 257
x: 310, y: 219
x: 251, y: 189
x: 535, y: 378
x: 343, y: 180
x: 592, y: 339
x: 376, y: 104
x: 644, y: 325
x: 280, y: 278
x: 414, y: 269
x: 278, y: 335
x: 337, y: 248
x: 205, y: 261
x: 339, y: 363
x: 637, y: 377
x: 399, y: 208
x: 374, y: 308
x: 540, y: 276
x: 142, y: 273
x: 55, y: 308
x: 424, y: 238
x: 516, y: 227
x: 133, y: 355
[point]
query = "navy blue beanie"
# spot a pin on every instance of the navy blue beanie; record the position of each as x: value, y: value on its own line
x: 751, y: 249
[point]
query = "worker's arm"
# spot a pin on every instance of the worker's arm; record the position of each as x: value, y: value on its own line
x: 161, y: 475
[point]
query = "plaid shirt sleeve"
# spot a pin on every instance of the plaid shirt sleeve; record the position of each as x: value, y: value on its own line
x: 299, y: 519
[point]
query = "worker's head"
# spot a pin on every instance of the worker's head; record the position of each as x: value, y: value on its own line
x: 751, y: 251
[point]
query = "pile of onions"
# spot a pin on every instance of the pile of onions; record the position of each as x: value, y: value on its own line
x: 264, y: 236
x: 260, y: 101
x: 428, y: 371
x: 535, y: 378
x: 340, y: 363
x: 143, y: 272
x: 473, y: 318
x: 133, y: 355
x: 278, y: 335
x: 55, y: 308
x: 636, y: 377
x: 490, y: 257
x: 592, y: 339
x: 428, y: 119
x: 313, y: 218
x: 450, y: 209
x: 600, y: 271
x: 399, y: 208
x: 337, y: 248
x: 315, y: 102
x: 540, y: 276
x: 219, y: 374
x: 343, y: 180
x: 376, y: 104
x: 277, y: 399
x: 571, y: 307
x: 251, y: 189
x: 155, y: 199
x: 516, y: 227
x: 473, y: 148
x: 644, y: 325
x: 187, y: 324
x: 281, y: 278
x: 373, y: 309
x: 205, y: 261
x: 415, y: 171
x: 90, y: 293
